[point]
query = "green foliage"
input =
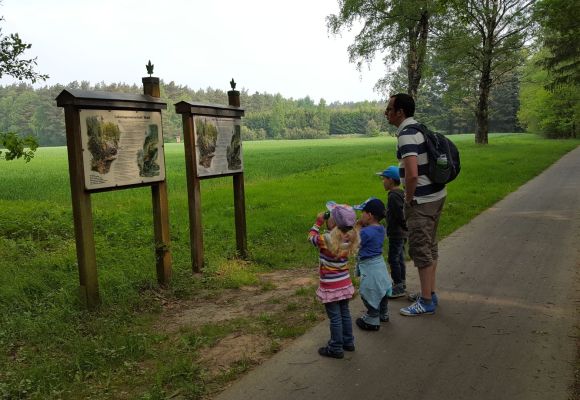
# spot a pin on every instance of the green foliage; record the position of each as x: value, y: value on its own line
x: 17, y: 147
x: 12, y: 63
x: 447, y: 104
x: 552, y: 113
x: 12, y: 49
x: 480, y: 45
x: 303, y: 133
x: 373, y: 128
x: 32, y: 112
x: 397, y: 28
x: 249, y: 134
x: 559, y: 35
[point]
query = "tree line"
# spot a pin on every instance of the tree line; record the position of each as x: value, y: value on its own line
x: 32, y: 112
x: 472, y: 65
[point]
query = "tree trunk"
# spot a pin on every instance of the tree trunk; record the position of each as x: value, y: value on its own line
x: 418, y: 36
x: 482, y: 111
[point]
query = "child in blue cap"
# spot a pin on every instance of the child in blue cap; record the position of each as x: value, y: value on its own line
x: 375, y: 283
x: 396, y: 229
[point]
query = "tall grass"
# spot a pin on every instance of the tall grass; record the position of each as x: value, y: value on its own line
x: 54, y: 349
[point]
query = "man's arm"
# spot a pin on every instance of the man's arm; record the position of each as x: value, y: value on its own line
x: 411, y: 177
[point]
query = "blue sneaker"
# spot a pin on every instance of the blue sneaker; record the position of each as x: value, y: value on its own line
x: 418, y: 308
x: 415, y: 296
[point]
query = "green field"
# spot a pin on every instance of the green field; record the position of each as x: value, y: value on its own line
x: 51, y: 348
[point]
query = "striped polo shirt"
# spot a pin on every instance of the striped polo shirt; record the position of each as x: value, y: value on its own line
x: 411, y: 142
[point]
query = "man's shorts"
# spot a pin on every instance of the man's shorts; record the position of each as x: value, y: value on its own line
x: 422, y: 220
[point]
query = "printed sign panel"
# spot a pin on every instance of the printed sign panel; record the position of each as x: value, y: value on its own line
x: 218, y: 145
x: 121, y: 148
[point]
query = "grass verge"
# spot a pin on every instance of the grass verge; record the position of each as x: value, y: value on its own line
x: 126, y: 349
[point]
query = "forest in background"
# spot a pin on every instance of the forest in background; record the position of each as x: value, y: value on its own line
x: 472, y: 66
x: 33, y: 111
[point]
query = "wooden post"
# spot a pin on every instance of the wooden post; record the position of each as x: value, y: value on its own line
x: 239, y: 194
x: 160, y: 208
x: 82, y: 212
x: 194, y: 194
x: 189, y: 112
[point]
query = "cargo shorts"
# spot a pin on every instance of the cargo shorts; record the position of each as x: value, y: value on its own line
x: 422, y: 221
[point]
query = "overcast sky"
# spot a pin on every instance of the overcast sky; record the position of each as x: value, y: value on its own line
x: 268, y: 46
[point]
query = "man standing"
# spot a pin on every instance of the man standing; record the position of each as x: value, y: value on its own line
x: 423, y: 201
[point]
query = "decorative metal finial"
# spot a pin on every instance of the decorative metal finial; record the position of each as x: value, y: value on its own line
x: 149, y: 67
x: 233, y: 84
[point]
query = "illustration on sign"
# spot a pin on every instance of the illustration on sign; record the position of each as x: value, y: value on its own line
x: 207, y: 134
x: 234, y: 152
x: 121, y: 147
x: 103, y: 143
x: 147, y: 157
x: 218, y: 146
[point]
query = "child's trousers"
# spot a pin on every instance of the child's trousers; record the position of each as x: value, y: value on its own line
x: 396, y: 260
x: 374, y: 316
x: 340, y: 326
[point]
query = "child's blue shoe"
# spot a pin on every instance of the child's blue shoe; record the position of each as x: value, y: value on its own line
x: 415, y: 296
x: 418, y: 308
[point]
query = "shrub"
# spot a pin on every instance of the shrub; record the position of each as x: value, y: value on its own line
x: 249, y: 134
x: 303, y: 133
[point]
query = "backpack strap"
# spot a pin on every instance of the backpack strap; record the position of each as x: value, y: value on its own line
x: 420, y: 127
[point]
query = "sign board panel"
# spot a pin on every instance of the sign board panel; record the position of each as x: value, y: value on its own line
x: 218, y: 146
x: 121, y: 148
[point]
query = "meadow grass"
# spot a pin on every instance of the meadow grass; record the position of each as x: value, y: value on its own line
x: 52, y: 348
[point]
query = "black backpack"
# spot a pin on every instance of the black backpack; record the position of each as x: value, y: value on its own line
x: 444, y: 163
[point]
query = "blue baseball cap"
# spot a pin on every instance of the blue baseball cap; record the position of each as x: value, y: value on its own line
x: 391, y: 172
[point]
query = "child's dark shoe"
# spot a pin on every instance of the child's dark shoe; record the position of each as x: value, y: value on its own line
x: 348, y: 347
x: 366, y: 327
x: 325, y: 351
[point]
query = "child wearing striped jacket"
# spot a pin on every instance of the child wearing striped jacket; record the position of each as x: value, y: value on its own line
x: 336, y: 246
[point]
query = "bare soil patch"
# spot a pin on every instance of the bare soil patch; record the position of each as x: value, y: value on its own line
x: 272, y: 296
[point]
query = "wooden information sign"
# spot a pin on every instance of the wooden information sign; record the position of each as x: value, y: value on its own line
x: 114, y: 141
x: 213, y: 148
